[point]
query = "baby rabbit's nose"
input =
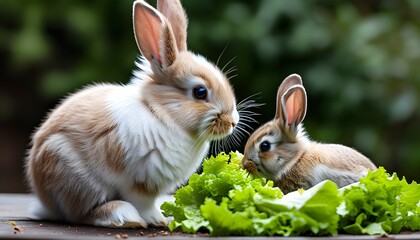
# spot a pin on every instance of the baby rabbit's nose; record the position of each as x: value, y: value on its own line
x: 250, y: 166
x: 233, y: 124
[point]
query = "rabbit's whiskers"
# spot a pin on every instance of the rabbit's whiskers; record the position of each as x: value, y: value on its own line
x: 241, y: 130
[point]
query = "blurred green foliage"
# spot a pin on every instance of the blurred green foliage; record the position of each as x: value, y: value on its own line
x: 359, y: 61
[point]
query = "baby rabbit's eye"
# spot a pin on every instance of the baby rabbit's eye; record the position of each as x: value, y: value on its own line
x: 200, y: 93
x: 265, y: 146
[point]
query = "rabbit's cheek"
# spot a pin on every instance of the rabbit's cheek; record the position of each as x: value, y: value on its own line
x: 280, y: 161
x: 267, y: 155
x: 266, y: 171
x: 270, y: 168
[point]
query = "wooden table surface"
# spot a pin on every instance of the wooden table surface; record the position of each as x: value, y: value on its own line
x: 16, y: 223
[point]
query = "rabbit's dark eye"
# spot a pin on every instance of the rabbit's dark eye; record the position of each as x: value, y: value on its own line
x: 200, y: 93
x: 265, y: 146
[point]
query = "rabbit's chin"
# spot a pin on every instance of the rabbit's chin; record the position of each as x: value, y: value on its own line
x: 219, y: 136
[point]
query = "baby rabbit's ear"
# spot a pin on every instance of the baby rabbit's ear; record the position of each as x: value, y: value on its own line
x: 173, y: 11
x: 154, y: 35
x: 291, y: 102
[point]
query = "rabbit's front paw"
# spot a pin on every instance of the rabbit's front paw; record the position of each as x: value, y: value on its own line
x: 116, y: 214
x: 154, y: 217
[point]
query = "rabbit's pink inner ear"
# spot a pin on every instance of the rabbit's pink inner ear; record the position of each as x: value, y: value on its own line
x: 147, y: 29
x: 295, y: 106
x: 288, y: 82
x: 291, y: 108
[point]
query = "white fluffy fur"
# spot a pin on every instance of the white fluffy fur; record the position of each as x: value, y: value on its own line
x: 39, y: 212
x: 123, y: 214
x: 155, y: 153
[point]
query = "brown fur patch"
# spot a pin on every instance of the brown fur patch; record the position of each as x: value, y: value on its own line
x: 83, y: 121
x: 90, y: 129
x: 144, y: 189
x: 298, y: 176
x: 42, y: 173
x: 342, y: 157
x: 170, y: 50
x: 49, y: 184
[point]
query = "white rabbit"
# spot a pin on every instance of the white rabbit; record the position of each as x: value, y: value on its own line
x: 106, y: 153
x: 281, y: 151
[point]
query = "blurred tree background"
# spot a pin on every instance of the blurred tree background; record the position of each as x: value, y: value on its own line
x: 359, y: 61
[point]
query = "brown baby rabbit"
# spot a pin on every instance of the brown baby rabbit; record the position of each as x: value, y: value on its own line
x: 281, y: 151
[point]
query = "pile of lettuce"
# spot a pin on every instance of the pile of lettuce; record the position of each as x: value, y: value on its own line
x: 225, y: 200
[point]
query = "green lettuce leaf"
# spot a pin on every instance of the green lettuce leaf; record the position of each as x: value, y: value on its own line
x: 314, y: 210
x: 380, y: 204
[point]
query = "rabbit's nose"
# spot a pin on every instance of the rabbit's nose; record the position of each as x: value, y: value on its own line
x: 233, y: 124
x: 250, y: 166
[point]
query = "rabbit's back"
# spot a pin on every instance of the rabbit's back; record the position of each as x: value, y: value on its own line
x: 341, y: 157
x: 80, y: 121
x: 338, y: 163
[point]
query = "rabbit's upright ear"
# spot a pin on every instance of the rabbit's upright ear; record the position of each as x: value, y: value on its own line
x: 291, y: 101
x: 175, y: 13
x: 291, y: 80
x: 154, y: 35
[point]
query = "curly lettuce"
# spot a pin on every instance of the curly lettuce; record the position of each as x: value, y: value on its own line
x: 225, y: 200
x: 379, y: 204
